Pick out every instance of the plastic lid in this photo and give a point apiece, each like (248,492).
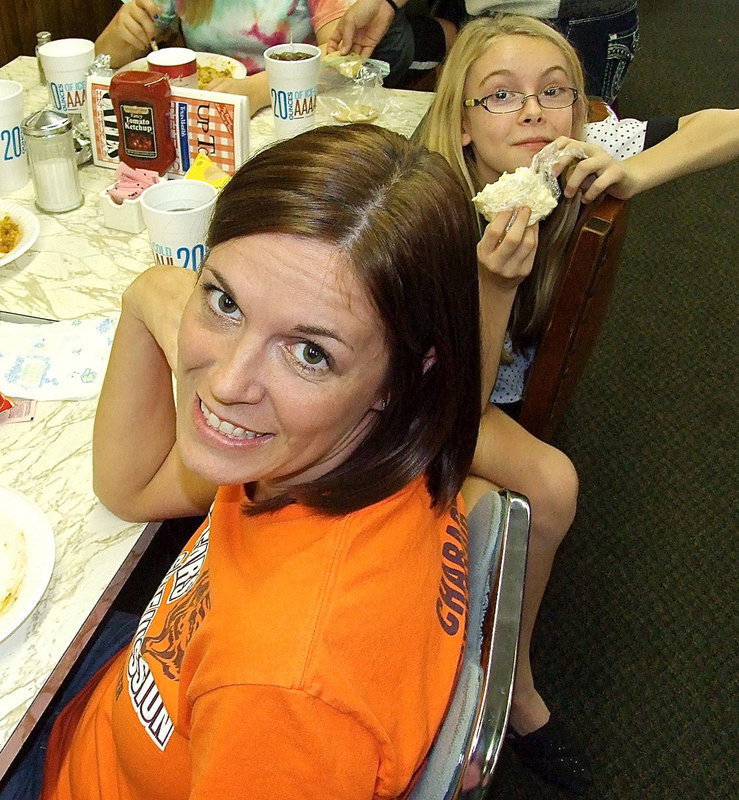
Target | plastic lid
(46,123)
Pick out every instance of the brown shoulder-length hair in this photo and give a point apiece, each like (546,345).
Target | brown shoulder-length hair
(441,131)
(403,222)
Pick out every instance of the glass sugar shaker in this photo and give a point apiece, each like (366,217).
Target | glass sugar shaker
(51,156)
(42,37)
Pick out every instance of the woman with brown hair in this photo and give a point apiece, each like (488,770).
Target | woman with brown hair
(306,641)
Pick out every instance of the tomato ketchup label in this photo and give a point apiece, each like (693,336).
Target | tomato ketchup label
(141,101)
(138,136)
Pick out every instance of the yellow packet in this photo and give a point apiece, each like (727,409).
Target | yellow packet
(203,169)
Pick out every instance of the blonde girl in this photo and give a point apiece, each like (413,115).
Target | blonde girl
(510,86)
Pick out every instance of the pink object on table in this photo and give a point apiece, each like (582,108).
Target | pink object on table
(131,182)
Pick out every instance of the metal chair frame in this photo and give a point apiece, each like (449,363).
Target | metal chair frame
(466,750)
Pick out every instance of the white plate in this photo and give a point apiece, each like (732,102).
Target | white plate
(18,511)
(29,225)
(238,70)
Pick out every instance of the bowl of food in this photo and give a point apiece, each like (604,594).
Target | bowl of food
(210,67)
(19,229)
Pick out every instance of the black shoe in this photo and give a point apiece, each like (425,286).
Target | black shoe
(550,752)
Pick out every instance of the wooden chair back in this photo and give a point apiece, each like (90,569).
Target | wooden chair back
(578,309)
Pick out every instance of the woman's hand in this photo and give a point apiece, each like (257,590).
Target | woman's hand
(508,247)
(594,175)
(360,29)
(156,299)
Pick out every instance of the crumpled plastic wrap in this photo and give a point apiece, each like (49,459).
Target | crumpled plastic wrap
(544,161)
(351,87)
(101,66)
(534,187)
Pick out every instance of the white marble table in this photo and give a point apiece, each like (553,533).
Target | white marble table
(78,268)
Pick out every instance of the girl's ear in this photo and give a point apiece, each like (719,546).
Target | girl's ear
(466,138)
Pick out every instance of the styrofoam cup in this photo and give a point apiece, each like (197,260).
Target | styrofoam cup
(177,63)
(13,158)
(292,88)
(177,214)
(65,63)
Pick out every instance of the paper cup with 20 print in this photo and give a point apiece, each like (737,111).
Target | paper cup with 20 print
(65,63)
(177,214)
(292,73)
(13,158)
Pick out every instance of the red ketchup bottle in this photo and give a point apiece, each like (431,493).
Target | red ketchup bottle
(141,101)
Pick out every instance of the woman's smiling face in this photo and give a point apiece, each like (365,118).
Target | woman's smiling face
(282,363)
(503,142)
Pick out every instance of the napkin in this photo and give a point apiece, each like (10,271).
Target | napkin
(57,361)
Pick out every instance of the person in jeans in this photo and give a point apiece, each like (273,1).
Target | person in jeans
(605,33)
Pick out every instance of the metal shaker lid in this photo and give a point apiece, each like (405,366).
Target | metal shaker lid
(46,122)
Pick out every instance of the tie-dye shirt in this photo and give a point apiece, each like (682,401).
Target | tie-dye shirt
(244,29)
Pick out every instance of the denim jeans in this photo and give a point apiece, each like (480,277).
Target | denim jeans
(606,45)
(24,778)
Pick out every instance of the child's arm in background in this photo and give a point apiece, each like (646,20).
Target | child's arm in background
(703,140)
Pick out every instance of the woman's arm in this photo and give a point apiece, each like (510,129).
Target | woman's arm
(705,139)
(137,472)
(128,35)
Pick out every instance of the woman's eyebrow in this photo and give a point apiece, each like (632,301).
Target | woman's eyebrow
(221,280)
(317,330)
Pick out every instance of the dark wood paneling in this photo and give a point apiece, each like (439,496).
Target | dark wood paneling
(21,19)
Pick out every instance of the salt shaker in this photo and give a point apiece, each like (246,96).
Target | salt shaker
(42,37)
(51,156)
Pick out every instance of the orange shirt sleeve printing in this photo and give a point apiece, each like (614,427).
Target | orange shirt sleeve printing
(287,655)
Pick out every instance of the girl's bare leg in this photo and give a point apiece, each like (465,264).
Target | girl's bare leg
(509,456)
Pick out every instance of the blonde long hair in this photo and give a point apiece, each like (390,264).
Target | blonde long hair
(195,12)
(441,130)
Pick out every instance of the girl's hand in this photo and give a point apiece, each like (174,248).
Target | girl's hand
(135,25)
(508,247)
(594,175)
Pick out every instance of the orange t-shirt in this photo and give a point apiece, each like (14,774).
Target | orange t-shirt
(286,655)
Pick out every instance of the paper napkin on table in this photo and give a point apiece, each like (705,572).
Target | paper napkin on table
(57,361)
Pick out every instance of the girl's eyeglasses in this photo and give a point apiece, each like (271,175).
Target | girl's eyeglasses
(505,101)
